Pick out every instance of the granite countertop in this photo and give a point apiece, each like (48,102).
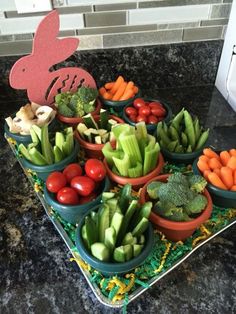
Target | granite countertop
(35,271)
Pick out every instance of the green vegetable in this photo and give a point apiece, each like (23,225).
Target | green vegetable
(179,178)
(110,238)
(197,183)
(100,251)
(153,189)
(202,139)
(136,171)
(178,119)
(189,128)
(196,205)
(174,193)
(36,157)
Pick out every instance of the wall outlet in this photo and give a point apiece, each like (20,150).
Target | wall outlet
(28,6)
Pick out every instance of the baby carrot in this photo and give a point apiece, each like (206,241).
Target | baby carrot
(224,157)
(216,181)
(235,177)
(206,173)
(117,84)
(226,175)
(130,85)
(210,153)
(232,163)
(120,91)
(204,158)
(128,94)
(233,188)
(135,89)
(102,91)
(109,85)
(217,171)
(232,152)
(214,163)
(107,95)
(202,165)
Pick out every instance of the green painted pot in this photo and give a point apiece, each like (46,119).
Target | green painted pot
(180,158)
(150,127)
(220,198)
(111,269)
(44,171)
(74,213)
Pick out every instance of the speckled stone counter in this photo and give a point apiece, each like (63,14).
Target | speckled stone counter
(36,275)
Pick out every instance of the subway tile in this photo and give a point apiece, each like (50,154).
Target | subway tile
(96,2)
(74,21)
(202,33)
(7,5)
(183,25)
(15,14)
(115,6)
(169,14)
(116,29)
(58,3)
(220,11)
(214,22)
(67,33)
(4,38)
(228,1)
(23,36)
(142,38)
(167,3)
(90,42)
(105,19)
(15,48)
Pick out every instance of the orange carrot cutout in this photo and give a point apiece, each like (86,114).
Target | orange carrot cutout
(232,163)
(210,153)
(216,181)
(226,175)
(214,163)
(117,84)
(120,91)
(109,85)
(202,166)
(224,157)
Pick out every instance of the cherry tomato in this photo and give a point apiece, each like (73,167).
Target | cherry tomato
(145,110)
(133,117)
(155,104)
(95,169)
(83,185)
(67,196)
(159,112)
(152,119)
(131,111)
(87,199)
(138,102)
(72,171)
(141,118)
(55,181)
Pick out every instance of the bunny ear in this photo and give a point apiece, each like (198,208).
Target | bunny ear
(46,44)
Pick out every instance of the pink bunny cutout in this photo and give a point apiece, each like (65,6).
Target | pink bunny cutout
(32,72)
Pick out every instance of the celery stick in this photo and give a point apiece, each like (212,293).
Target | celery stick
(122,165)
(24,151)
(142,143)
(59,140)
(114,170)
(136,171)
(141,130)
(150,159)
(57,154)
(119,128)
(151,142)
(46,146)
(37,158)
(68,145)
(34,136)
(130,146)
(109,152)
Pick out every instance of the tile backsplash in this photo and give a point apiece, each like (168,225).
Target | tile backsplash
(116,23)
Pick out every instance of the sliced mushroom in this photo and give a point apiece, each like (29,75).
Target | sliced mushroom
(25,113)
(45,115)
(34,107)
(12,126)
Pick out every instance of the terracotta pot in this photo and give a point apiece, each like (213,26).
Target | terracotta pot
(136,183)
(77,120)
(174,230)
(95,150)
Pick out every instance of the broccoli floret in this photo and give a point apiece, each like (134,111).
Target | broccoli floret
(76,105)
(87,94)
(178,178)
(196,205)
(89,107)
(197,183)
(153,189)
(65,111)
(174,193)
(170,211)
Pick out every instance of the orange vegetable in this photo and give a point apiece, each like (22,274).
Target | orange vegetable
(135,89)
(234,176)
(206,173)
(117,84)
(107,95)
(128,94)
(233,188)
(216,181)
(232,152)
(232,163)
(214,163)
(202,166)
(217,171)
(204,158)
(130,85)
(102,91)
(120,91)
(210,153)
(226,175)
(224,157)
(109,85)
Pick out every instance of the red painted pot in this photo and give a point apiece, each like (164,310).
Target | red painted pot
(76,120)
(95,150)
(174,230)
(136,183)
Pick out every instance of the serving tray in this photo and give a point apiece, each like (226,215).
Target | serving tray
(117,292)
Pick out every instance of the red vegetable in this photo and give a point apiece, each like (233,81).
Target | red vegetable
(72,171)
(153,119)
(159,112)
(95,169)
(131,111)
(144,110)
(138,102)
(155,104)
(133,117)
(83,185)
(55,181)
(67,196)
(87,199)
(141,118)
